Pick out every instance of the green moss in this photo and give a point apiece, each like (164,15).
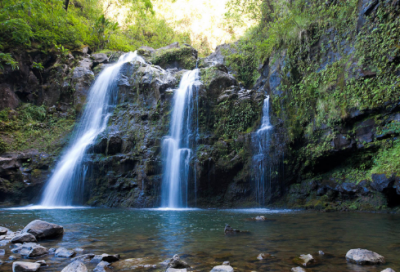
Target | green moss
(183,56)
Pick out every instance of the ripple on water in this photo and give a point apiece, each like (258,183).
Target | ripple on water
(150,236)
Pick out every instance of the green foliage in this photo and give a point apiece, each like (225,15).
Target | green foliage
(31,127)
(244,62)
(38,65)
(43,24)
(3,146)
(8,60)
(388,160)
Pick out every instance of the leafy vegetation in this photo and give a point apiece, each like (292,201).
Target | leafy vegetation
(43,24)
(32,126)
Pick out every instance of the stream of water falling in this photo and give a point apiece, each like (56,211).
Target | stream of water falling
(177,146)
(261,163)
(65,186)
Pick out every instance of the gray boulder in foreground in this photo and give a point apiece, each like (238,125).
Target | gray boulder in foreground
(25,267)
(42,229)
(364,256)
(75,266)
(388,270)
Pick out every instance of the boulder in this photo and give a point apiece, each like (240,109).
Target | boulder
(3,230)
(37,251)
(24,238)
(222,268)
(25,267)
(106,257)
(42,229)
(175,270)
(304,260)
(13,258)
(84,258)
(64,253)
(263,256)
(99,58)
(86,63)
(298,269)
(388,270)
(2,252)
(103,267)
(364,256)
(75,266)
(176,262)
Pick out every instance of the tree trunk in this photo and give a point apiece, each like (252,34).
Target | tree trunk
(66,3)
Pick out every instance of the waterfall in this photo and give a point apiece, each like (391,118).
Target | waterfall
(177,147)
(65,186)
(262,165)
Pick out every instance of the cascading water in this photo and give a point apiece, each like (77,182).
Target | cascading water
(66,183)
(262,165)
(177,147)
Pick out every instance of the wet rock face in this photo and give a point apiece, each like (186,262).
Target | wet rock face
(8,98)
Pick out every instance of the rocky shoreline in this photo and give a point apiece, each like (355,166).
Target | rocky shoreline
(25,254)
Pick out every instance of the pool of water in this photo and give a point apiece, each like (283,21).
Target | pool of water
(150,236)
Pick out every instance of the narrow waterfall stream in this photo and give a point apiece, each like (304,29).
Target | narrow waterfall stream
(262,167)
(65,186)
(177,146)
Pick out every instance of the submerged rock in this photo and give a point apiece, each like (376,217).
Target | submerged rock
(222,268)
(2,252)
(298,269)
(364,256)
(106,257)
(263,256)
(260,218)
(228,230)
(176,262)
(75,266)
(84,258)
(25,267)
(24,238)
(64,253)
(321,252)
(304,259)
(42,229)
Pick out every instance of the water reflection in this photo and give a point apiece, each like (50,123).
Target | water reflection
(152,236)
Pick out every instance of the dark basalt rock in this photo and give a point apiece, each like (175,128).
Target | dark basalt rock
(381,182)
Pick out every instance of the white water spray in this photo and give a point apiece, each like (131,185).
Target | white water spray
(177,146)
(66,183)
(261,162)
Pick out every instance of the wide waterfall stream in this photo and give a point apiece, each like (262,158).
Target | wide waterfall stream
(65,186)
(177,147)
